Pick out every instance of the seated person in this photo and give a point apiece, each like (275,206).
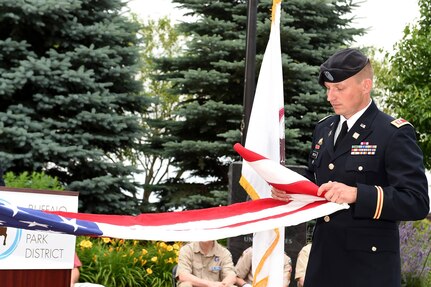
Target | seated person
(301,264)
(245,274)
(205,263)
(75,271)
(75,275)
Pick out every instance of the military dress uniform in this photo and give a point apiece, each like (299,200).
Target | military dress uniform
(380,156)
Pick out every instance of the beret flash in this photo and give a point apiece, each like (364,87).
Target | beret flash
(342,65)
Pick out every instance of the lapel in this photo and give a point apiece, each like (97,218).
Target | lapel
(328,135)
(359,132)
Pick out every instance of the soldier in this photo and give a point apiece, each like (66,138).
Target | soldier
(376,167)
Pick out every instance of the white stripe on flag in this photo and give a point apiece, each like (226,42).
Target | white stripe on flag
(223,222)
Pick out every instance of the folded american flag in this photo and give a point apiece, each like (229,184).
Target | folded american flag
(191,225)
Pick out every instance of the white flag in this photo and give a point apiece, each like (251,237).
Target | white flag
(265,135)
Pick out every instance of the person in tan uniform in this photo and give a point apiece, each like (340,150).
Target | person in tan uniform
(244,269)
(205,263)
(301,264)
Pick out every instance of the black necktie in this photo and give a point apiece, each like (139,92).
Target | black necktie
(342,134)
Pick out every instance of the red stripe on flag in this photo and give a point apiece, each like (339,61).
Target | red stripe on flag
(169,218)
(246,154)
(299,187)
(306,207)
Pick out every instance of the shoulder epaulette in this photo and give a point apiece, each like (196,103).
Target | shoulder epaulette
(321,120)
(400,122)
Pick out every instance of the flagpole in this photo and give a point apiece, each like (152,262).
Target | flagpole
(250,67)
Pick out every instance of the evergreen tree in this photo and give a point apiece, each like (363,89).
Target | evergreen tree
(211,74)
(69,96)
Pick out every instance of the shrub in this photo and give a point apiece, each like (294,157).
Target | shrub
(415,250)
(35,180)
(131,263)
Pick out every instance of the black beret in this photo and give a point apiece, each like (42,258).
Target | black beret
(341,66)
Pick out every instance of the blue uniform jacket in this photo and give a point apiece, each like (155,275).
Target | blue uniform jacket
(359,246)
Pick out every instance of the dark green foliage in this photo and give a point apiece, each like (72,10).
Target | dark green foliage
(407,78)
(68,96)
(210,73)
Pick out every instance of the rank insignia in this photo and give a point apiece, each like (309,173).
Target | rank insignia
(355,136)
(363,149)
(400,122)
(319,143)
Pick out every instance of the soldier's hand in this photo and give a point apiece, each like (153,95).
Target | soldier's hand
(338,192)
(279,194)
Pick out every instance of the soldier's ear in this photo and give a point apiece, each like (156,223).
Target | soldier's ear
(367,85)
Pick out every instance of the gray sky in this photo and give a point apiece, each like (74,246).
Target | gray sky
(385,19)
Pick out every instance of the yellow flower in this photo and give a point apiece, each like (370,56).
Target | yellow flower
(170,260)
(121,242)
(143,262)
(169,248)
(149,271)
(86,244)
(131,252)
(135,260)
(144,251)
(106,239)
(135,242)
(94,258)
(154,259)
(176,246)
(162,245)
